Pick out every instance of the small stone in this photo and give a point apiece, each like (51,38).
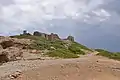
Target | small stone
(15,75)
(67,75)
(62,66)
(97,61)
(18,58)
(99,70)
(52,48)
(34,51)
(89,66)
(11,77)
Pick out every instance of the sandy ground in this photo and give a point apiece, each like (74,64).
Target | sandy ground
(84,68)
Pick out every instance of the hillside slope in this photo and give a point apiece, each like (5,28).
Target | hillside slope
(56,48)
(89,67)
(22,47)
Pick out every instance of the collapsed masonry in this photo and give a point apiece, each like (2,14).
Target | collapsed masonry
(71,38)
(51,36)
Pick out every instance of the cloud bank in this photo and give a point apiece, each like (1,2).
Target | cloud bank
(90,21)
(35,14)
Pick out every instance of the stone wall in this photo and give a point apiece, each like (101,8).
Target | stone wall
(71,38)
(36,33)
(52,36)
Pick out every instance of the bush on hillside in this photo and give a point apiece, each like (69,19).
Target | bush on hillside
(61,49)
(58,44)
(80,46)
(76,50)
(108,54)
(104,52)
(39,45)
(62,53)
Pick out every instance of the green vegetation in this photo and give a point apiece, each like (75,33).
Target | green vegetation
(80,46)
(76,49)
(108,54)
(57,48)
(27,37)
(62,53)
(104,53)
(46,44)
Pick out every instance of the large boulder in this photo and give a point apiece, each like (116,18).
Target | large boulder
(4,57)
(6,44)
(12,49)
(10,54)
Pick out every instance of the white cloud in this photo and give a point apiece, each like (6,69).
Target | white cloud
(24,14)
(101,12)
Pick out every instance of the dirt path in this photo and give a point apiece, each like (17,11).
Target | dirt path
(85,68)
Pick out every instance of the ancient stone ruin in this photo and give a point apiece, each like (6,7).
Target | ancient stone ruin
(71,38)
(25,33)
(51,36)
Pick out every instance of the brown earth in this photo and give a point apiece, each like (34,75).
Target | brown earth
(84,68)
(33,66)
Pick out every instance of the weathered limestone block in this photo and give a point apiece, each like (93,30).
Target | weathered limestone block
(71,38)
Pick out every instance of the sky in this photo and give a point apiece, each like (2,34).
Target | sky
(94,23)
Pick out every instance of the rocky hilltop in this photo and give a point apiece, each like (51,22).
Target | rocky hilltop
(39,55)
(51,36)
(33,46)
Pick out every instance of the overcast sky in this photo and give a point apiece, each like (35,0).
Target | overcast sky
(95,23)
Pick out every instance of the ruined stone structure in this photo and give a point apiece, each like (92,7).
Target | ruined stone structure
(36,33)
(53,37)
(71,38)
(25,33)
(47,36)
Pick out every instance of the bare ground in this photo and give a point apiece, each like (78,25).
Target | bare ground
(85,68)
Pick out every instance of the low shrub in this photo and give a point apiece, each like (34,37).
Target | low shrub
(108,54)
(76,50)
(59,48)
(80,46)
(62,53)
